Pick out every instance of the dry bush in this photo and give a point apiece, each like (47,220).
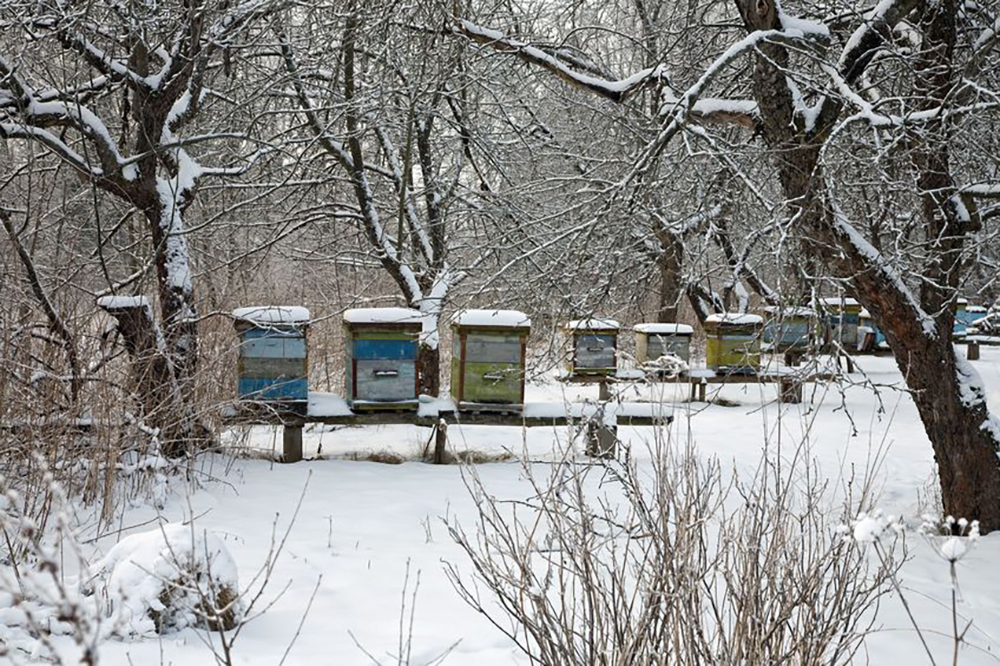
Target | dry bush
(672,561)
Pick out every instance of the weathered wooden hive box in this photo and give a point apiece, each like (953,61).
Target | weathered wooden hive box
(867,323)
(969,315)
(593,347)
(655,340)
(732,342)
(789,328)
(273,360)
(843,317)
(488,358)
(961,306)
(380,346)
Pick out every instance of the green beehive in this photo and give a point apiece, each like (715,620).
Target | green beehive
(732,342)
(488,358)
(593,347)
(380,346)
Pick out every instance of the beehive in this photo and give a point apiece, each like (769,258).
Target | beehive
(789,329)
(273,362)
(488,357)
(842,319)
(655,340)
(733,342)
(969,315)
(593,346)
(380,348)
(865,320)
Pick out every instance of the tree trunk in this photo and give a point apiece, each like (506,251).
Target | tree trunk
(671,264)
(951,403)
(157,390)
(176,295)
(429,369)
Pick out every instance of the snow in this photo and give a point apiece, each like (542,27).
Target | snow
(361,523)
(273,314)
(953,549)
(664,329)
(734,318)
(122,302)
(139,572)
(789,311)
(382,316)
(327,404)
(799,26)
(499,318)
(868,528)
(838,301)
(593,325)
(430,407)
(619,87)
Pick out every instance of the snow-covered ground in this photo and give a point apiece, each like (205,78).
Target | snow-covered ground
(361,524)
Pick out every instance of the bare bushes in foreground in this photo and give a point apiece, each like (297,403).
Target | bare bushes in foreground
(672,560)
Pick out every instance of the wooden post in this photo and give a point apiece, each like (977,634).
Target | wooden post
(790,390)
(292,441)
(972,352)
(601,437)
(703,391)
(440,442)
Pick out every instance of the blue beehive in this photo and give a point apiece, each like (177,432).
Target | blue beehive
(273,359)
(878,343)
(966,315)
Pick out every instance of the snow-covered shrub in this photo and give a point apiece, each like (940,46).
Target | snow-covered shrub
(677,562)
(168,579)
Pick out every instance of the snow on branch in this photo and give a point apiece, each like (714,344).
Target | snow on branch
(864,43)
(616,91)
(403,191)
(52,142)
(982,190)
(859,247)
(741,112)
(30,117)
(675,115)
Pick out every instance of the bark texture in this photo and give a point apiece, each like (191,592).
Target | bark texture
(953,410)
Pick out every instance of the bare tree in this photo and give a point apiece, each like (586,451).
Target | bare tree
(801,96)
(158,61)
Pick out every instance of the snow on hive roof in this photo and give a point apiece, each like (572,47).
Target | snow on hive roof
(789,311)
(122,302)
(734,318)
(664,329)
(865,314)
(273,314)
(382,316)
(593,325)
(837,300)
(976,308)
(499,318)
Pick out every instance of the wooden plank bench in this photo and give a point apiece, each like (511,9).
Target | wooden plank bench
(790,381)
(327,409)
(975,341)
